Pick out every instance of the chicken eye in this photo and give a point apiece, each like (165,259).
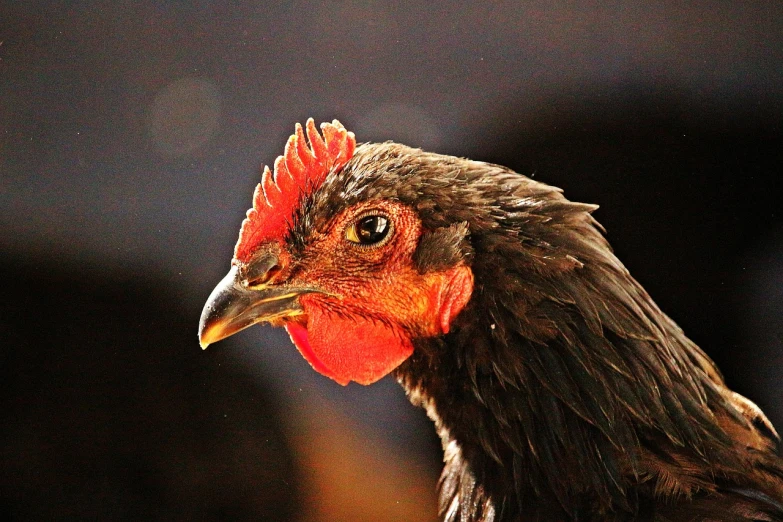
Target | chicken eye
(368,230)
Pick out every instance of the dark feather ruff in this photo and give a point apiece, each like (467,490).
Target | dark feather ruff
(562,391)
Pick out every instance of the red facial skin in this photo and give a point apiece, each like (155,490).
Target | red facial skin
(375,300)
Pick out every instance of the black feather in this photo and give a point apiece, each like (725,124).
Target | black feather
(562,391)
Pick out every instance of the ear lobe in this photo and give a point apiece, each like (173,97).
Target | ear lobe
(454,294)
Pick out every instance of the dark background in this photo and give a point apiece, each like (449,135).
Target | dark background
(131,136)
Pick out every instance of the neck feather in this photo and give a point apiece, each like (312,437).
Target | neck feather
(555,384)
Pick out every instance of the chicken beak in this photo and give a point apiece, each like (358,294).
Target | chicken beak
(233,306)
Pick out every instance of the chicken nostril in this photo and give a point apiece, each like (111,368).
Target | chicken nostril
(262,270)
(269,276)
(265,277)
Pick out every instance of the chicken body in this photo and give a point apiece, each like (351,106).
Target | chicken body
(559,389)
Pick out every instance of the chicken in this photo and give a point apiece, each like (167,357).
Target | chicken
(559,389)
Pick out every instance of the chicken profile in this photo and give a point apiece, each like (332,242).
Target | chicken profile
(559,389)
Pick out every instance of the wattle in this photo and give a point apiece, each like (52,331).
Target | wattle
(349,348)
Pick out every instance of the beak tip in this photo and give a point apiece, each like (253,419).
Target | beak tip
(209,334)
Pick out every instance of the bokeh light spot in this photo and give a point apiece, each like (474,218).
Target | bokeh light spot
(184,116)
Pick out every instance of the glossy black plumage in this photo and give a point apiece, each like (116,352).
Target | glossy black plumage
(562,391)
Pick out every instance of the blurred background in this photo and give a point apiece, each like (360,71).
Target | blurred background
(131,137)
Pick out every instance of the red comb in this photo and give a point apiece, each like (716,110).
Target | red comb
(299,171)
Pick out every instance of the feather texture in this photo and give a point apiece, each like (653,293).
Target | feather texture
(562,392)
